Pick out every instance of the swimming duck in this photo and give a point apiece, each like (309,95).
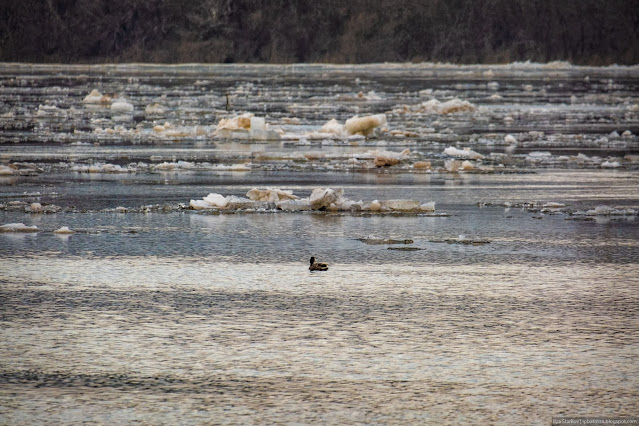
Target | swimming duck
(317,266)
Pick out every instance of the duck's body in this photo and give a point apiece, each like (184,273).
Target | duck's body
(317,266)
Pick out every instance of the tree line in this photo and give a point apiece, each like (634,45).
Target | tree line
(594,32)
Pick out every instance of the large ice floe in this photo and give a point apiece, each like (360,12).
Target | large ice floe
(18,227)
(320,199)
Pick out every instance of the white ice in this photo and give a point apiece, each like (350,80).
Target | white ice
(18,227)
(64,230)
(121,105)
(463,153)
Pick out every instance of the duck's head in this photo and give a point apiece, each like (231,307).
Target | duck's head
(312,260)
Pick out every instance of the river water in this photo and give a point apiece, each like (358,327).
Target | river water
(514,303)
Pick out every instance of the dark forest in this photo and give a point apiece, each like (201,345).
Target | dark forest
(593,32)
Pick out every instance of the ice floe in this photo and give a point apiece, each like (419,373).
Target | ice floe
(6,171)
(246,126)
(270,195)
(18,227)
(121,105)
(604,210)
(463,153)
(354,128)
(64,230)
(434,106)
(320,199)
(364,125)
(382,158)
(95,97)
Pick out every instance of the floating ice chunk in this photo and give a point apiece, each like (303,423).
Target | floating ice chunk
(155,109)
(604,210)
(554,205)
(510,149)
(100,168)
(510,139)
(614,134)
(360,96)
(50,110)
(236,200)
(401,205)
(433,106)
(456,105)
(18,227)
(452,165)
(583,157)
(95,97)
(364,125)
(335,128)
(428,207)
(369,96)
(465,153)
(626,134)
(199,205)
(216,200)
(467,165)
(34,208)
(240,122)
(422,165)
(294,205)
(323,197)
(493,85)
(314,155)
(402,133)
(263,135)
(539,154)
(610,164)
(121,105)
(240,167)
(271,195)
(388,158)
(257,123)
(632,158)
(246,126)
(375,206)
(6,171)
(344,203)
(64,230)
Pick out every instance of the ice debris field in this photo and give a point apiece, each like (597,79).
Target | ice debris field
(423,119)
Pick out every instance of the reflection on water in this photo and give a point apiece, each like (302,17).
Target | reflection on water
(129,337)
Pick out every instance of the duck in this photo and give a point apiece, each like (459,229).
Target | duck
(317,266)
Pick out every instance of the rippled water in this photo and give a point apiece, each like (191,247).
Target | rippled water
(189,317)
